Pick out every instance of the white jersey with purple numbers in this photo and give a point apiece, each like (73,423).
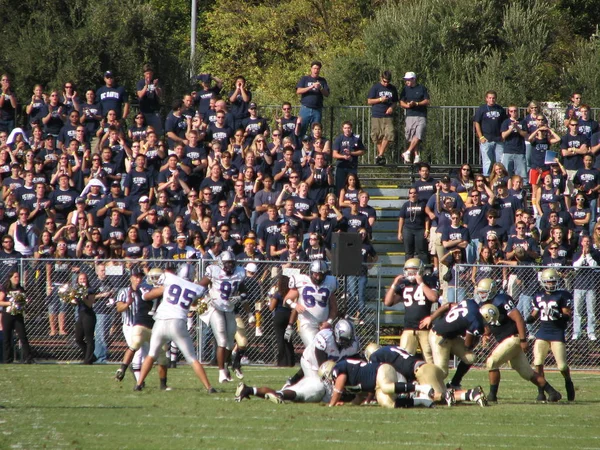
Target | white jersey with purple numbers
(325,341)
(315,298)
(223,287)
(177,297)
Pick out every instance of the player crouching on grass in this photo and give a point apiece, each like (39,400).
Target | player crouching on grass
(170,324)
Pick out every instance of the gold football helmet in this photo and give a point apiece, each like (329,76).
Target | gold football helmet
(549,280)
(485,291)
(154,275)
(370,349)
(326,370)
(412,268)
(490,314)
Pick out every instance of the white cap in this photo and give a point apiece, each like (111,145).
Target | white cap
(409,75)
(251,267)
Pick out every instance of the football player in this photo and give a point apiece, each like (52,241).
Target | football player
(138,334)
(553,307)
(170,324)
(357,376)
(312,297)
(418,293)
(226,281)
(328,344)
(507,325)
(455,328)
(413,369)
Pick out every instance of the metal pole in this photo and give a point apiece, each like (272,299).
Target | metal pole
(193,38)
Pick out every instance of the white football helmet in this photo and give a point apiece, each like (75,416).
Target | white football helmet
(318,269)
(227,262)
(343,333)
(412,268)
(485,291)
(154,276)
(370,349)
(490,314)
(549,280)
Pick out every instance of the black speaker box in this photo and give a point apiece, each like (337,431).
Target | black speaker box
(346,254)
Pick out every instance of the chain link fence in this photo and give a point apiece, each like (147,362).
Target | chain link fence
(50,322)
(522,282)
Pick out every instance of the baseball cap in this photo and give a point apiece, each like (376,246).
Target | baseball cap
(115,184)
(48,136)
(108,74)
(181,236)
(409,75)
(251,267)
(354,200)
(249,241)
(445,179)
(79,200)
(143,199)
(252,105)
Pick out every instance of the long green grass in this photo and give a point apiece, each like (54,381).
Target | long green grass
(74,406)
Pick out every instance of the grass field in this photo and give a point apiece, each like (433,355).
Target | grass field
(74,406)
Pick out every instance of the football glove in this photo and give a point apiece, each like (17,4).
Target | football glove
(555,314)
(289,333)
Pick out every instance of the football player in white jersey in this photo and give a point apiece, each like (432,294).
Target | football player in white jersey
(329,344)
(170,324)
(226,281)
(313,298)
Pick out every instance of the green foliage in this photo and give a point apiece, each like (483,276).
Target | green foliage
(273,42)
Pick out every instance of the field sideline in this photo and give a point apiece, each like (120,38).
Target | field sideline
(82,407)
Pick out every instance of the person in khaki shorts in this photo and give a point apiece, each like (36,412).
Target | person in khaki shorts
(383,99)
(507,325)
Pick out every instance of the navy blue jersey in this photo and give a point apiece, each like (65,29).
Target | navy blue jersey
(548,305)
(505,326)
(490,118)
(416,305)
(111,98)
(144,310)
(398,358)
(462,318)
(362,376)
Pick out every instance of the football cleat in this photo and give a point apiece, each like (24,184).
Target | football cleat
(453,387)
(554,396)
(119,375)
(238,373)
(274,398)
(449,397)
(424,390)
(242,392)
(223,378)
(479,397)
(425,402)
(211,390)
(166,388)
(138,387)
(570,390)
(492,398)
(541,398)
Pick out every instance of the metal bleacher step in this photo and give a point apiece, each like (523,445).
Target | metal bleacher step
(388,211)
(386,224)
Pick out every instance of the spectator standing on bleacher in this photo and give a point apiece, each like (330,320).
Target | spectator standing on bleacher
(347,147)
(382,98)
(488,120)
(112,97)
(149,94)
(426,186)
(513,135)
(573,147)
(312,89)
(414,98)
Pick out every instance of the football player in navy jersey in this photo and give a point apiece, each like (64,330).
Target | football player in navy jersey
(451,322)
(355,376)
(417,372)
(418,292)
(553,307)
(507,325)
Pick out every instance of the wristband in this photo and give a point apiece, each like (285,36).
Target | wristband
(290,303)
(338,391)
(393,287)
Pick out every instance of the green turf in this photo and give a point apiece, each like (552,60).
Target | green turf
(73,406)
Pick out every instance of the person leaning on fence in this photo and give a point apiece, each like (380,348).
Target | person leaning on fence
(13,303)
(382,98)
(585,285)
(488,120)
